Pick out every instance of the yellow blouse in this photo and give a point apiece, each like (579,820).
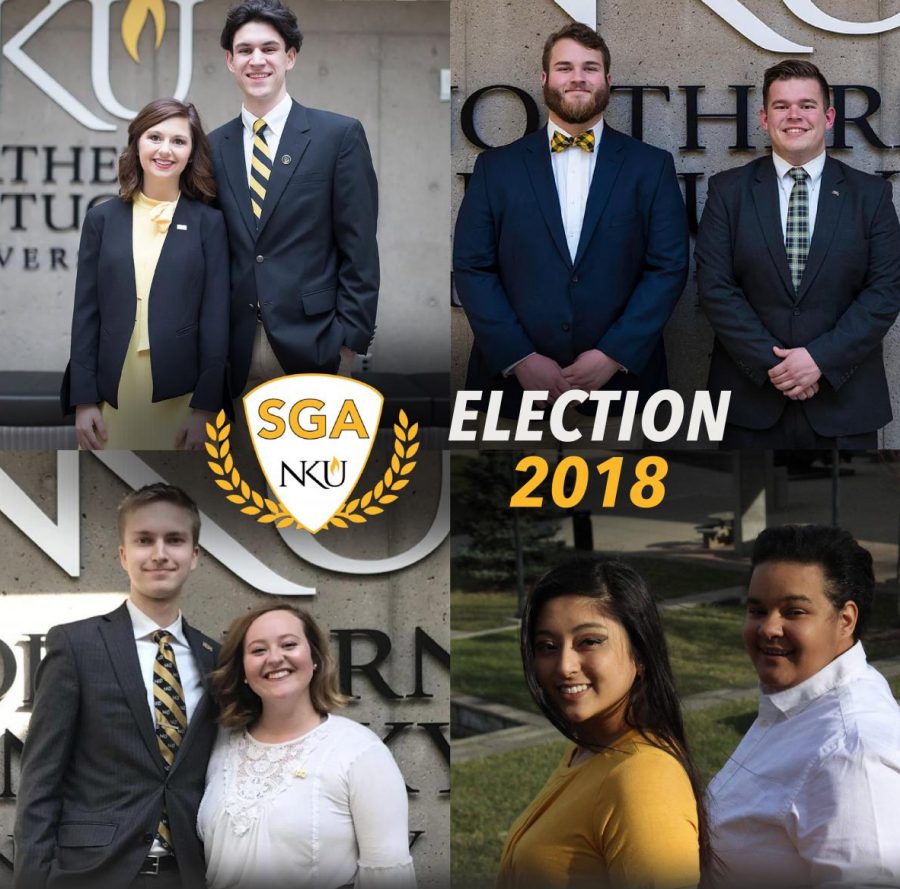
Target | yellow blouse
(626,817)
(140,423)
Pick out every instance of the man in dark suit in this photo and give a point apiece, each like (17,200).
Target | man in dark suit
(798,270)
(115,758)
(300,199)
(571,244)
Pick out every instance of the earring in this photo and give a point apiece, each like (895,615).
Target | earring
(246,682)
(315,667)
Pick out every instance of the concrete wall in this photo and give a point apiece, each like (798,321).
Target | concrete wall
(378,60)
(674,44)
(35,593)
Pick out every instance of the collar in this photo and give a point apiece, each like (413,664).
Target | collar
(275,119)
(144,627)
(597,128)
(841,671)
(813,168)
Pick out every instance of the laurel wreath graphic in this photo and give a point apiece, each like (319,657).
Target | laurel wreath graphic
(354,511)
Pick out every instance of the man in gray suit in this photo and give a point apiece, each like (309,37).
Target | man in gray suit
(115,757)
(300,199)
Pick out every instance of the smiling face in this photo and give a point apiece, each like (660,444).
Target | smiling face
(164,151)
(259,62)
(796,117)
(584,665)
(278,661)
(576,85)
(792,630)
(158,552)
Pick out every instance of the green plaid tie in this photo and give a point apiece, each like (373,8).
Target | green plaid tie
(171,714)
(260,168)
(796,238)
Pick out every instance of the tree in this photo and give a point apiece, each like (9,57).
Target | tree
(482,516)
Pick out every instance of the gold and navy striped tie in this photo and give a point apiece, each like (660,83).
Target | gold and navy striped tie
(171,715)
(260,168)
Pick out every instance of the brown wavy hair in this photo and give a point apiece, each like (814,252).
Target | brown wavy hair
(239,705)
(197,181)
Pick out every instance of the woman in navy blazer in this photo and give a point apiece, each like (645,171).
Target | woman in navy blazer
(148,364)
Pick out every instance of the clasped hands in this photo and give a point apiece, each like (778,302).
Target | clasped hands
(590,370)
(90,430)
(797,375)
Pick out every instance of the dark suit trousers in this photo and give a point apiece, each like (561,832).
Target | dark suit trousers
(793,432)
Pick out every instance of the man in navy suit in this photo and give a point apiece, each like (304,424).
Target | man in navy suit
(798,270)
(571,244)
(304,259)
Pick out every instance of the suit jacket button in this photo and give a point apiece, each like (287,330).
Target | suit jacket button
(148,837)
(567,327)
(260,258)
(796,311)
(574,279)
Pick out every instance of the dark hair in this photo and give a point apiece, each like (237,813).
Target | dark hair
(580,33)
(794,69)
(272,12)
(849,576)
(197,181)
(158,493)
(238,704)
(653,708)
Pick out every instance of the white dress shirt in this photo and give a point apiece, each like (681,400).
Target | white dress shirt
(327,809)
(188,672)
(573,170)
(275,122)
(814,169)
(811,796)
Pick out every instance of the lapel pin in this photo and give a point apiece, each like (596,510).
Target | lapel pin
(836,193)
(285,159)
(181,228)
(206,645)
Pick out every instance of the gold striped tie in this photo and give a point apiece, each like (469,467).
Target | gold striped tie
(171,715)
(260,168)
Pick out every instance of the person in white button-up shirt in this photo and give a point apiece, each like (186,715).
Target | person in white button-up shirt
(811,795)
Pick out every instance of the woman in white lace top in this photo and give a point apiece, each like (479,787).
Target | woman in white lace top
(296,796)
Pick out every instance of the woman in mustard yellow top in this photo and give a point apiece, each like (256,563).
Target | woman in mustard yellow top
(150,325)
(623,808)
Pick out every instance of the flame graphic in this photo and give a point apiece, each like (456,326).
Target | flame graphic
(134,19)
(334,465)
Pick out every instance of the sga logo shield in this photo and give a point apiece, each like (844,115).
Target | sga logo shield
(313,434)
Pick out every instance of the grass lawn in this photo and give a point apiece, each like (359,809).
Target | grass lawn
(706,650)
(481,611)
(489,794)
(490,667)
(665,578)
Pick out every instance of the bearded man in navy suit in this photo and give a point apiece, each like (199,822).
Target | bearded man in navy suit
(571,244)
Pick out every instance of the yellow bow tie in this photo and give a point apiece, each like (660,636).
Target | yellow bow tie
(584,141)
